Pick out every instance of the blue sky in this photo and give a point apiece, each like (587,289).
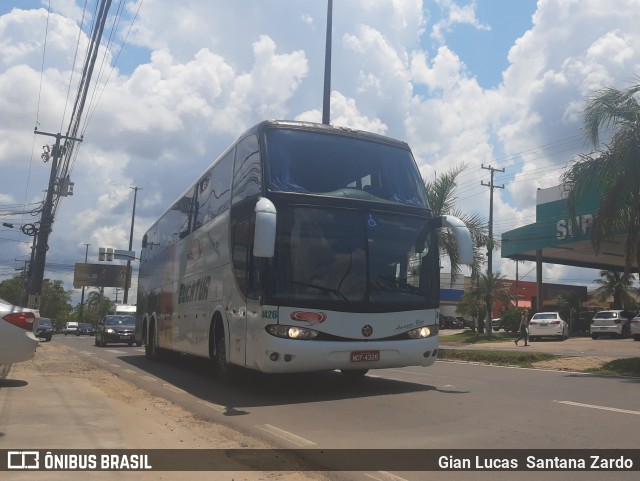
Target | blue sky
(479,82)
(484,52)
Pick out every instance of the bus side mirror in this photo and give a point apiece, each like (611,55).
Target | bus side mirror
(144,241)
(264,238)
(462,235)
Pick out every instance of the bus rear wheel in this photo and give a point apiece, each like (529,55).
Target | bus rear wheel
(223,370)
(151,349)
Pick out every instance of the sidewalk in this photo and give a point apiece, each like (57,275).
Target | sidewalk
(574,346)
(59,400)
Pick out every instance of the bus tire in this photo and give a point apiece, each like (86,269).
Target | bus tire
(151,349)
(223,370)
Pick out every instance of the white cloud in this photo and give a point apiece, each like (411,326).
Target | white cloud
(453,15)
(206,70)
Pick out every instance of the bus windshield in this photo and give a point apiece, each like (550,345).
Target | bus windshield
(352,260)
(334,165)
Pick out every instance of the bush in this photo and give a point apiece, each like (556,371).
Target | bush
(510,320)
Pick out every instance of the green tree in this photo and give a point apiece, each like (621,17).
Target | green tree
(54,300)
(442,201)
(11,289)
(613,173)
(96,306)
(471,304)
(618,285)
(569,307)
(487,289)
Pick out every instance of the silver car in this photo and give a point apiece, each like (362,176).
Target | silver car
(548,324)
(634,328)
(616,322)
(17,341)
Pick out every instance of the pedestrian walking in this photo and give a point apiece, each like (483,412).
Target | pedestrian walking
(524,328)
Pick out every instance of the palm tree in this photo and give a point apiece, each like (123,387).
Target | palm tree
(569,307)
(488,289)
(442,200)
(613,174)
(618,285)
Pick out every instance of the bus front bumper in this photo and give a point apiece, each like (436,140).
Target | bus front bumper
(279,355)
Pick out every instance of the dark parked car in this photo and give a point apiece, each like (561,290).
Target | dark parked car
(466,323)
(115,329)
(450,322)
(84,328)
(44,328)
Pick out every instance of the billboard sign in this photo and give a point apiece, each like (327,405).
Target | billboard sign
(99,275)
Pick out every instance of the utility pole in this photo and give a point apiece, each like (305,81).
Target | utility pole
(326,102)
(127,279)
(492,186)
(46,221)
(86,255)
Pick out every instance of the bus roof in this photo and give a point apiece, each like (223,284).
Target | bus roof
(329,129)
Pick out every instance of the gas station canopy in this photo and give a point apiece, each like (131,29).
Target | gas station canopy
(552,239)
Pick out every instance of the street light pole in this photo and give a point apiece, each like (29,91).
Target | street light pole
(326,102)
(86,256)
(127,280)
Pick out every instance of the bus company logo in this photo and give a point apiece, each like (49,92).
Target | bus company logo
(23,460)
(197,290)
(367,330)
(311,317)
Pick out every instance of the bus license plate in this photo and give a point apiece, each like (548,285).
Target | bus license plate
(365,356)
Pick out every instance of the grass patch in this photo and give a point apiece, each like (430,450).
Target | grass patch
(618,367)
(501,358)
(470,337)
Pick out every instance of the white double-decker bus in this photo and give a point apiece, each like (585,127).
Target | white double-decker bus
(304,247)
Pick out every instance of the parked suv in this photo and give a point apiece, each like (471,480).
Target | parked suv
(44,328)
(635,328)
(615,322)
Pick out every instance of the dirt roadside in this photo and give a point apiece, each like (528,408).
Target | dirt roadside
(59,400)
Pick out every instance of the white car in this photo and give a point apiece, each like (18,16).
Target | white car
(548,324)
(17,341)
(634,328)
(615,322)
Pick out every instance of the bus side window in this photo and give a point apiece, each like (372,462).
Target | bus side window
(247,171)
(245,266)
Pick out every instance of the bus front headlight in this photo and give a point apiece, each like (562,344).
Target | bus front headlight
(291,332)
(423,332)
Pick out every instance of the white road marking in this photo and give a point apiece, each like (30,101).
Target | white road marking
(113,364)
(286,435)
(216,407)
(173,388)
(150,378)
(384,476)
(130,371)
(87,353)
(603,408)
(115,351)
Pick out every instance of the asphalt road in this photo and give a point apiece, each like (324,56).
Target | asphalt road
(446,406)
